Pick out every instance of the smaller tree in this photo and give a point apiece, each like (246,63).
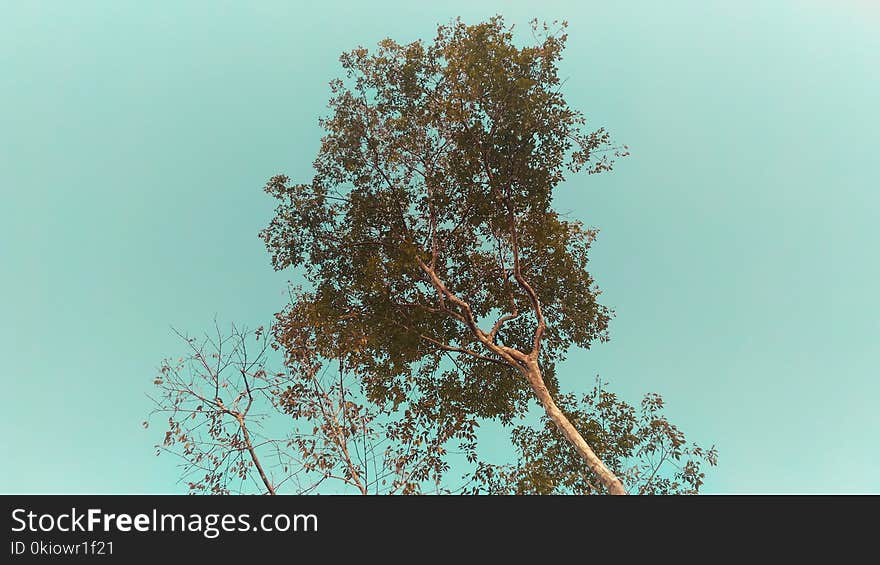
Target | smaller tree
(216,398)
(240,426)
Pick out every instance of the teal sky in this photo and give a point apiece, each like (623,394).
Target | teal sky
(738,243)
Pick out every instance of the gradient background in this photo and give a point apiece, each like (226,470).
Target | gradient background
(738,243)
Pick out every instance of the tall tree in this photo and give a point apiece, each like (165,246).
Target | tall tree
(437,266)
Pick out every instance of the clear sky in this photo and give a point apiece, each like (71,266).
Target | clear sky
(738,243)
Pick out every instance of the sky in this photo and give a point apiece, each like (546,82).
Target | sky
(737,243)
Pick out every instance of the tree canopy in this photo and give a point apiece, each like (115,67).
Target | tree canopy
(428,232)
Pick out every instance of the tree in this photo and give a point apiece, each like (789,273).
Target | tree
(428,236)
(442,289)
(239,423)
(214,398)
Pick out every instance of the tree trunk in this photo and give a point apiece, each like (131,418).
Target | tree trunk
(605,475)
